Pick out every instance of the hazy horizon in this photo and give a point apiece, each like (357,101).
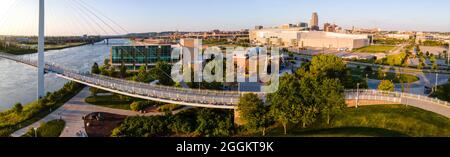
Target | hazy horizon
(69,17)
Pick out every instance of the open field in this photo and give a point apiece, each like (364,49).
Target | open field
(375,121)
(375,49)
(404,78)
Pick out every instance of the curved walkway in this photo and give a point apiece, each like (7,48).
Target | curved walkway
(419,101)
(72,113)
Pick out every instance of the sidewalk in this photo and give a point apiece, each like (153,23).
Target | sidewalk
(72,113)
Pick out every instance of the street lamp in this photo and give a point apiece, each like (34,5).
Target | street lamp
(436,85)
(357,95)
(35,131)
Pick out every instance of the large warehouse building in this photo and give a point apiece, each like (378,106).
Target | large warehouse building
(296,37)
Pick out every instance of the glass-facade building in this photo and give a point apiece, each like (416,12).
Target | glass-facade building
(136,56)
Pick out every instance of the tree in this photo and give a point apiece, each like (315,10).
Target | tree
(18,108)
(286,102)
(332,98)
(123,71)
(142,75)
(421,62)
(95,69)
(368,70)
(106,62)
(433,62)
(386,85)
(328,65)
(213,123)
(381,73)
(162,72)
(112,71)
(254,112)
(138,106)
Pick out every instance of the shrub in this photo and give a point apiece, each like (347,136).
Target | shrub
(169,107)
(138,106)
(386,85)
(18,108)
(50,129)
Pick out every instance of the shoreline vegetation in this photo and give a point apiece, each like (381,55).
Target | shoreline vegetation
(17,50)
(21,116)
(52,128)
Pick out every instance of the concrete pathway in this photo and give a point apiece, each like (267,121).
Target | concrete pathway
(72,113)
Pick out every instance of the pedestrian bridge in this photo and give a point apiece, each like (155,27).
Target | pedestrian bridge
(221,99)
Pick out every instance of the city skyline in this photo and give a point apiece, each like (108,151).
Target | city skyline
(63,17)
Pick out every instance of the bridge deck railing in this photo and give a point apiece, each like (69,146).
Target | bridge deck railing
(368,92)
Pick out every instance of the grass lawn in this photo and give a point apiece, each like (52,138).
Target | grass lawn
(52,128)
(110,101)
(375,121)
(405,78)
(375,49)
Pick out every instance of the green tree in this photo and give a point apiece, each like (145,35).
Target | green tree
(368,70)
(123,71)
(386,85)
(95,69)
(142,75)
(421,64)
(138,106)
(162,72)
(112,71)
(286,102)
(254,112)
(106,63)
(18,108)
(214,123)
(332,98)
(381,73)
(433,62)
(328,65)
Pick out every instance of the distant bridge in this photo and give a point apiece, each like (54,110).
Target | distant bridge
(223,99)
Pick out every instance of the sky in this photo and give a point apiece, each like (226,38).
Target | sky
(69,17)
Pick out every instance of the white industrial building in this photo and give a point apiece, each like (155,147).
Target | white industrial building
(296,37)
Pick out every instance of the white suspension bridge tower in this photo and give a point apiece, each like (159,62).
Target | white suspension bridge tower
(41,48)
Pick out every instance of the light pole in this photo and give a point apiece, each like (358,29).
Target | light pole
(357,95)
(35,131)
(436,84)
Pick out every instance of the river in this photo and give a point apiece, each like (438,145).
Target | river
(18,82)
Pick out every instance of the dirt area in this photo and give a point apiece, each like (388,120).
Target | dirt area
(101,124)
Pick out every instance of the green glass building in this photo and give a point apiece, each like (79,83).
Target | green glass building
(133,57)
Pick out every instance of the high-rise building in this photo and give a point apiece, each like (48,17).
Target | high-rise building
(314,23)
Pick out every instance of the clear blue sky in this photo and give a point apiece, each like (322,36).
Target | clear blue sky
(199,15)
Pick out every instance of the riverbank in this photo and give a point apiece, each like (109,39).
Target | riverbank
(14,119)
(21,51)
